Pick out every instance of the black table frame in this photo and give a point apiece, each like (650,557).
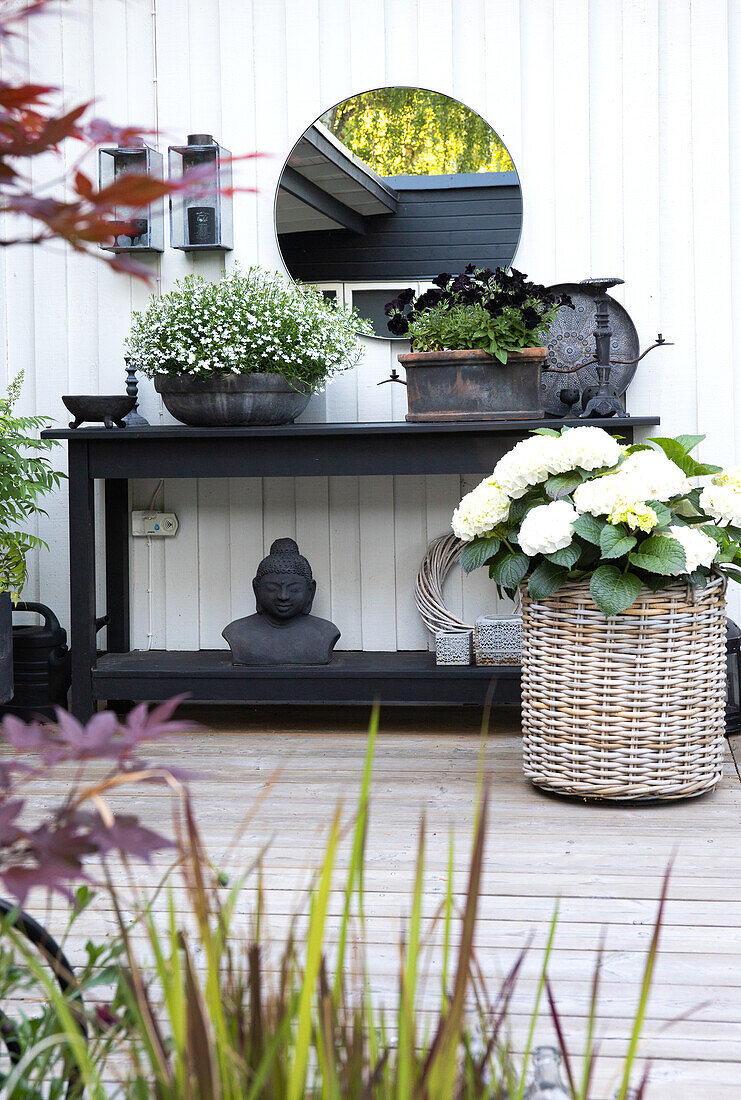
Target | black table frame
(115,456)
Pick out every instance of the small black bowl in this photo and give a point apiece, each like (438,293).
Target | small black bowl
(108,409)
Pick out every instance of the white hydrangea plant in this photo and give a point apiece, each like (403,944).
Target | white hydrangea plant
(249,322)
(576,505)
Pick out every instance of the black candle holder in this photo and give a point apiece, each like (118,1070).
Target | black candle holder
(134,419)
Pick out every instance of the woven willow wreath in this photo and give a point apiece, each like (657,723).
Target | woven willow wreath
(442,554)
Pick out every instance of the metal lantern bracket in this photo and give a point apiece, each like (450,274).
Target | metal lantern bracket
(201,217)
(142,230)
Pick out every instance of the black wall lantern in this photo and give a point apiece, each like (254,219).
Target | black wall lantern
(733,677)
(146,226)
(201,219)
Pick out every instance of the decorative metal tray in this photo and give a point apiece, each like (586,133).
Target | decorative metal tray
(571,341)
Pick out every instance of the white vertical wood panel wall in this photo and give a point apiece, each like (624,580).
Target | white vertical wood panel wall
(624,122)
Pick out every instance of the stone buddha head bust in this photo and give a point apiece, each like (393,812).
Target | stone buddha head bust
(282,631)
(284,586)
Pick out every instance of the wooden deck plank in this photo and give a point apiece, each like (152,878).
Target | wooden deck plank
(606,863)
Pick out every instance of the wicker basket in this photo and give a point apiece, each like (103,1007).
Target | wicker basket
(630,707)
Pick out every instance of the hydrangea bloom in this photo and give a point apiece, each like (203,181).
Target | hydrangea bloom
(603,496)
(530,462)
(589,449)
(660,478)
(635,515)
(699,548)
(731,478)
(722,502)
(548,528)
(480,511)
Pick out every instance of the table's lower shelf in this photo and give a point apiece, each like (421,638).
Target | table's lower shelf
(351,677)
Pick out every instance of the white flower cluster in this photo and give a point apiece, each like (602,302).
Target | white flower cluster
(548,528)
(642,476)
(480,511)
(533,460)
(721,499)
(588,449)
(699,548)
(253,321)
(603,495)
(658,477)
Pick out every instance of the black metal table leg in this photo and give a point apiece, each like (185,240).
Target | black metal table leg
(117,573)
(117,563)
(82,579)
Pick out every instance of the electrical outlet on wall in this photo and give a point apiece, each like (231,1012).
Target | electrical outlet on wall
(155,524)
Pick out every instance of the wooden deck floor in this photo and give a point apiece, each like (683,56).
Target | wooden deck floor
(605,862)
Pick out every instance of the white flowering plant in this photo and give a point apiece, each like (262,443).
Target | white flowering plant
(249,322)
(575,505)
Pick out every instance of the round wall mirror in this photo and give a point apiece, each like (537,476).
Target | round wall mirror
(388,189)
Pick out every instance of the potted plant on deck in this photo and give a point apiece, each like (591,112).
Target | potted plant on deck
(621,557)
(476,345)
(25,475)
(249,349)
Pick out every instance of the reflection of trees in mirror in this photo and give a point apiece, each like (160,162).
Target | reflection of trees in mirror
(412,131)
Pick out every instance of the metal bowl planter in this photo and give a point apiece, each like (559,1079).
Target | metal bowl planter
(233,400)
(628,708)
(473,385)
(108,409)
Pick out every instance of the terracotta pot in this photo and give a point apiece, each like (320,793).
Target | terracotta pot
(473,385)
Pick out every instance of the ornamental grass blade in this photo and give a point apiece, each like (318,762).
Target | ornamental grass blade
(590,1050)
(536,1008)
(447,922)
(314,943)
(357,856)
(439,1071)
(202,1058)
(406,1048)
(555,1016)
(645,988)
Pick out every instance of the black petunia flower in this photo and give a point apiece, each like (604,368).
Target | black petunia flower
(398,325)
(441,280)
(429,299)
(530,317)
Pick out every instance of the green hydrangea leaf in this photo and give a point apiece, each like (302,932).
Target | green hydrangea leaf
(546,431)
(717,533)
(659,554)
(663,514)
(546,579)
(689,442)
(657,584)
(616,541)
(477,553)
(614,591)
(567,557)
(589,527)
(675,450)
(560,485)
(510,568)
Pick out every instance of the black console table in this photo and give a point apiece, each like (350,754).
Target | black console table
(295,450)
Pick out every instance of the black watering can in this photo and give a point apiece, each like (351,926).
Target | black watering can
(41,665)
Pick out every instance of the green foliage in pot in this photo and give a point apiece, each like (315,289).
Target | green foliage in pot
(25,476)
(494,311)
(249,322)
(574,505)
